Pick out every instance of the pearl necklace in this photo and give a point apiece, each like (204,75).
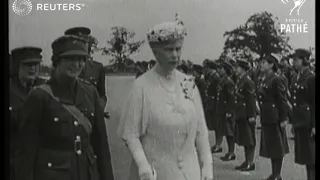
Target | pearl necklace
(169,77)
(175,100)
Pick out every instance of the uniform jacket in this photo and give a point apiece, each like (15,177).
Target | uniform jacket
(225,96)
(245,101)
(94,73)
(202,87)
(18,96)
(272,99)
(212,92)
(56,144)
(302,92)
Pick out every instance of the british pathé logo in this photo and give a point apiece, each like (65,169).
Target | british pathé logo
(294,25)
(22,7)
(297,5)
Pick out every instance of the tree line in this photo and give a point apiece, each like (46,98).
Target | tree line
(257,37)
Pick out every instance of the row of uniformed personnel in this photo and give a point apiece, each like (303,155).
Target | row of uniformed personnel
(57,127)
(279,94)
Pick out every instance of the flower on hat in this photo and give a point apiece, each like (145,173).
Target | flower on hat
(167,31)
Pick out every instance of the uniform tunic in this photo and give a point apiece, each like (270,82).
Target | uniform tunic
(303,116)
(175,142)
(18,96)
(245,107)
(59,145)
(94,73)
(211,104)
(201,84)
(225,104)
(273,108)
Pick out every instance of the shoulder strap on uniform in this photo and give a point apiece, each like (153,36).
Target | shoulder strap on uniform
(73,110)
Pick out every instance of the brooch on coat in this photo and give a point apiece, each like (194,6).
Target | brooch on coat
(188,86)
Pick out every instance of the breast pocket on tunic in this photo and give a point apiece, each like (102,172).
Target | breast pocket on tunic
(269,112)
(301,114)
(89,113)
(57,122)
(53,165)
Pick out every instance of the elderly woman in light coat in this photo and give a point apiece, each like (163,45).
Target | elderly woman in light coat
(163,123)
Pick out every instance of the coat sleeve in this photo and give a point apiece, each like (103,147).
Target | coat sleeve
(250,99)
(133,123)
(202,137)
(312,99)
(31,115)
(101,82)
(100,144)
(279,90)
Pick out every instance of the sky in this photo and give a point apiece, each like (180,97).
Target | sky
(205,20)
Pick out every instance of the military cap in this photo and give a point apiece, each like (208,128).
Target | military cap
(273,58)
(301,53)
(68,45)
(226,65)
(27,54)
(212,64)
(184,68)
(153,62)
(204,63)
(197,68)
(243,64)
(166,33)
(78,31)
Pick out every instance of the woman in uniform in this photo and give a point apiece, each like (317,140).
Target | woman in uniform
(211,105)
(25,64)
(273,116)
(63,128)
(163,123)
(224,115)
(245,115)
(303,112)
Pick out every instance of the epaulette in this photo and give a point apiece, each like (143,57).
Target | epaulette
(84,81)
(96,62)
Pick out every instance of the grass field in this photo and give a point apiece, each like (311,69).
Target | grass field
(117,89)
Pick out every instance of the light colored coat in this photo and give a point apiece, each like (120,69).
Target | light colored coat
(175,144)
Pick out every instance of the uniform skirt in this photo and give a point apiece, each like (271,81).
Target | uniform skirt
(274,143)
(224,126)
(244,133)
(210,114)
(304,146)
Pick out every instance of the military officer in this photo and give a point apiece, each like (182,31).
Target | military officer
(303,112)
(273,106)
(245,115)
(94,71)
(224,115)
(63,128)
(26,61)
(197,72)
(214,80)
(282,70)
